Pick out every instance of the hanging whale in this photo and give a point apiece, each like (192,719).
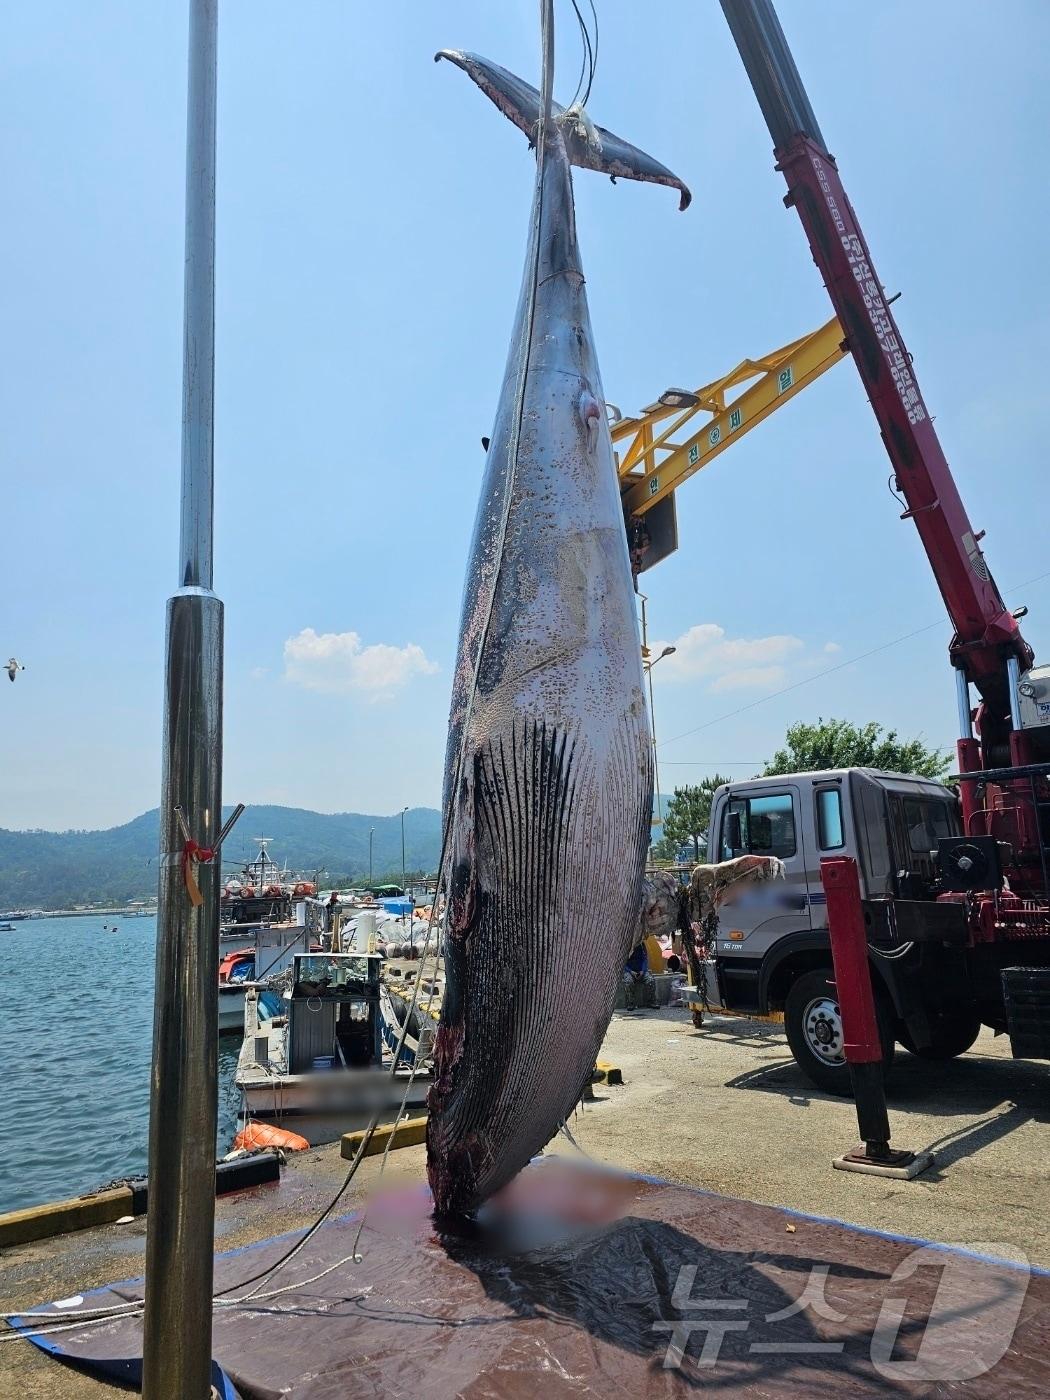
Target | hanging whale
(548,780)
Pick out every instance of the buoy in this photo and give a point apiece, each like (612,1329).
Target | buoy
(266,1135)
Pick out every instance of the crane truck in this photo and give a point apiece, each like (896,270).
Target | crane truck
(954,879)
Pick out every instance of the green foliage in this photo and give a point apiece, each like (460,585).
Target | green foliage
(63,869)
(664,852)
(686,817)
(835,743)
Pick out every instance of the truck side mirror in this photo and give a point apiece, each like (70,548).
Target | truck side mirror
(733,837)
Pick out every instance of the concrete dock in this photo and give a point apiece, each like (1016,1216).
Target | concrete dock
(723,1108)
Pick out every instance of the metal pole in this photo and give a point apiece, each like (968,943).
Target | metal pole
(198,336)
(656,765)
(403,849)
(1013,683)
(183,1101)
(647,667)
(370,835)
(962,696)
(967,749)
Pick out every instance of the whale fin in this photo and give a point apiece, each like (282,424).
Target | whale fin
(588,146)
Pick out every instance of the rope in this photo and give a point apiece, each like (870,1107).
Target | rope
(589,62)
(192,854)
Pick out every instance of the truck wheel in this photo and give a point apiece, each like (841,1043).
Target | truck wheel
(814,1031)
(952,1033)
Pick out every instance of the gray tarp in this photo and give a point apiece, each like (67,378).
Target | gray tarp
(594,1283)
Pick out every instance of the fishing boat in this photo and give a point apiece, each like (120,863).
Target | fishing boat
(7,928)
(320,1067)
(260,894)
(255,967)
(410,1025)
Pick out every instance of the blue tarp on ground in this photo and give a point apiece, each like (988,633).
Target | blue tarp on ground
(591,1282)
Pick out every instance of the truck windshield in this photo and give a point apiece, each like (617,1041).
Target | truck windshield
(767,826)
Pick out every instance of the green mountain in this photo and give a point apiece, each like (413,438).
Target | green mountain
(62,869)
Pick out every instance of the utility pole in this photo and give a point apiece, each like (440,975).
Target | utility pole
(184,1086)
(403,883)
(370,835)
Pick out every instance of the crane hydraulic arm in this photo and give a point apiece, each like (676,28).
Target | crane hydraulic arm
(987,648)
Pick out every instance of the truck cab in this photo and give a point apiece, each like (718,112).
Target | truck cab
(772,952)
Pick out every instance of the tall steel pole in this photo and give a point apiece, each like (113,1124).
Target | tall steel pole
(403,883)
(183,1102)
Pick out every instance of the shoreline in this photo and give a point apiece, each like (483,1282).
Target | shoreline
(120,910)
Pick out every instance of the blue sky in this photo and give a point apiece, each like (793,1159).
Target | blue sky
(371,212)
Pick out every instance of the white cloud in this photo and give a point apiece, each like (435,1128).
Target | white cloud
(751,678)
(337,663)
(831,648)
(704,652)
(259,673)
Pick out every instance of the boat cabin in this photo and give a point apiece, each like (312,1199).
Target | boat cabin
(333,1017)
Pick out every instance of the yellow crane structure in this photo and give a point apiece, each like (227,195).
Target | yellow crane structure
(664,445)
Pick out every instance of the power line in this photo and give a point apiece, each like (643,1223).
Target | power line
(713,762)
(819,675)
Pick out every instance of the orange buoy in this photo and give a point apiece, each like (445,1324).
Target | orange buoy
(266,1135)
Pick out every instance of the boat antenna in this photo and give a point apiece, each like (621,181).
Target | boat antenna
(184,1090)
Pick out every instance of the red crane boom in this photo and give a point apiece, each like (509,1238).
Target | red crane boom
(985,630)
(987,649)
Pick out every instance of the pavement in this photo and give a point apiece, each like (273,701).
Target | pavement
(726,1108)
(722,1108)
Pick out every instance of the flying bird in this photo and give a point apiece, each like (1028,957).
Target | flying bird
(13,667)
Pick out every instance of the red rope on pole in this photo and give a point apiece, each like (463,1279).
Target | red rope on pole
(192,852)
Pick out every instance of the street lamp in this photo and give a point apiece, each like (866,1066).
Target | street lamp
(370,835)
(403,886)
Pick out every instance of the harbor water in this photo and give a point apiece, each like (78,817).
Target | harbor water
(76,1026)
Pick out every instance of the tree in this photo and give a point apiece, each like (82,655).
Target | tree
(688,815)
(835,743)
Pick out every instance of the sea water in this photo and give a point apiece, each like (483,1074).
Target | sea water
(76,1029)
